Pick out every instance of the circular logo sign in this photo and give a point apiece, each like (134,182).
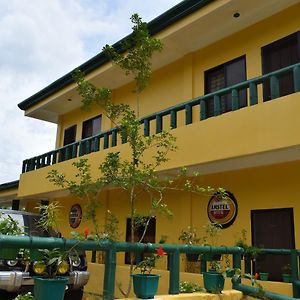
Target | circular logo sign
(75,215)
(222,211)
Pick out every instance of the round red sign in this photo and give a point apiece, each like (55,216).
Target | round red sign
(222,211)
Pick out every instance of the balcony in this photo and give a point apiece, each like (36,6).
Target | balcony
(190,112)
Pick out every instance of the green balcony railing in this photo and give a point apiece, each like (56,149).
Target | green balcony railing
(173,251)
(109,138)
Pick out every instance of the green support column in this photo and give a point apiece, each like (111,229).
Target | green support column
(202,265)
(173,120)
(235,99)
(174,272)
(217,105)
(114,138)
(253,93)
(159,125)
(109,274)
(296,73)
(146,127)
(202,110)
(247,262)
(295,273)
(188,114)
(105,143)
(274,83)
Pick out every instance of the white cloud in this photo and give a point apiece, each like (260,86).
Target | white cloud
(39,42)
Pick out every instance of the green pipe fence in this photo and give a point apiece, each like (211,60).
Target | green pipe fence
(109,138)
(112,248)
(173,251)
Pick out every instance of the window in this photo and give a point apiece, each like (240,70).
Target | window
(91,127)
(70,135)
(223,76)
(148,238)
(277,55)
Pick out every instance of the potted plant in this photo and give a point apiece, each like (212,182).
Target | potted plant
(286,273)
(214,279)
(145,284)
(212,233)
(51,284)
(189,237)
(264,276)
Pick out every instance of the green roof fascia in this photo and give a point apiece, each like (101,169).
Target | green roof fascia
(161,22)
(9,185)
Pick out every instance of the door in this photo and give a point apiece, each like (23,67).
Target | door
(273,228)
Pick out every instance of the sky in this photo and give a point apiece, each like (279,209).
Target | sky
(42,40)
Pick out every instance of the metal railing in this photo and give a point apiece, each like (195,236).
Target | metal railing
(111,137)
(173,251)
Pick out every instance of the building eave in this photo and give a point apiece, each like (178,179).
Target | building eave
(158,24)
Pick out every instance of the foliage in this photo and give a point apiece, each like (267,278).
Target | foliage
(27,296)
(110,230)
(238,276)
(189,236)
(53,259)
(190,287)
(134,174)
(286,269)
(139,48)
(9,226)
(50,216)
(250,251)
(212,233)
(148,263)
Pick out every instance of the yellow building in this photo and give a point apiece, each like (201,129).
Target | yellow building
(228,82)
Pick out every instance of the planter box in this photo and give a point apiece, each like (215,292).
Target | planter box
(213,282)
(50,289)
(145,285)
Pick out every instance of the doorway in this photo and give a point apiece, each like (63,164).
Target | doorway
(273,228)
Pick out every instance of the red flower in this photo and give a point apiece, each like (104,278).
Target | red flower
(160,251)
(86,232)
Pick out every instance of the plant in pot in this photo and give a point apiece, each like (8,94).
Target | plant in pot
(189,237)
(145,284)
(286,273)
(51,284)
(212,233)
(214,279)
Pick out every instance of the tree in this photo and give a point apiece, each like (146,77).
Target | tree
(133,174)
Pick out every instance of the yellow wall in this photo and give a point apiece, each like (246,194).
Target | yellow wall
(184,79)
(255,188)
(235,134)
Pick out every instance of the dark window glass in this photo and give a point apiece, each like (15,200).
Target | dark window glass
(148,238)
(70,135)
(277,55)
(91,127)
(223,76)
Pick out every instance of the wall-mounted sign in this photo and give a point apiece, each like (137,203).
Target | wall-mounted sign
(75,215)
(222,211)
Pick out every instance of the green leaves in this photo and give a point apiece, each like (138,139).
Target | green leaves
(139,48)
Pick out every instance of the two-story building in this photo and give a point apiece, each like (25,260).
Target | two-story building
(227,82)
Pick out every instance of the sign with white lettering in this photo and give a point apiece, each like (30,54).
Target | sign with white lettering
(222,211)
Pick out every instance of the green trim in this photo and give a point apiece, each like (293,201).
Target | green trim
(161,22)
(9,185)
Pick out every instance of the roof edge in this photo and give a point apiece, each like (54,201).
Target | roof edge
(9,185)
(159,23)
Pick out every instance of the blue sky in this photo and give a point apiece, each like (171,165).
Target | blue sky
(40,41)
